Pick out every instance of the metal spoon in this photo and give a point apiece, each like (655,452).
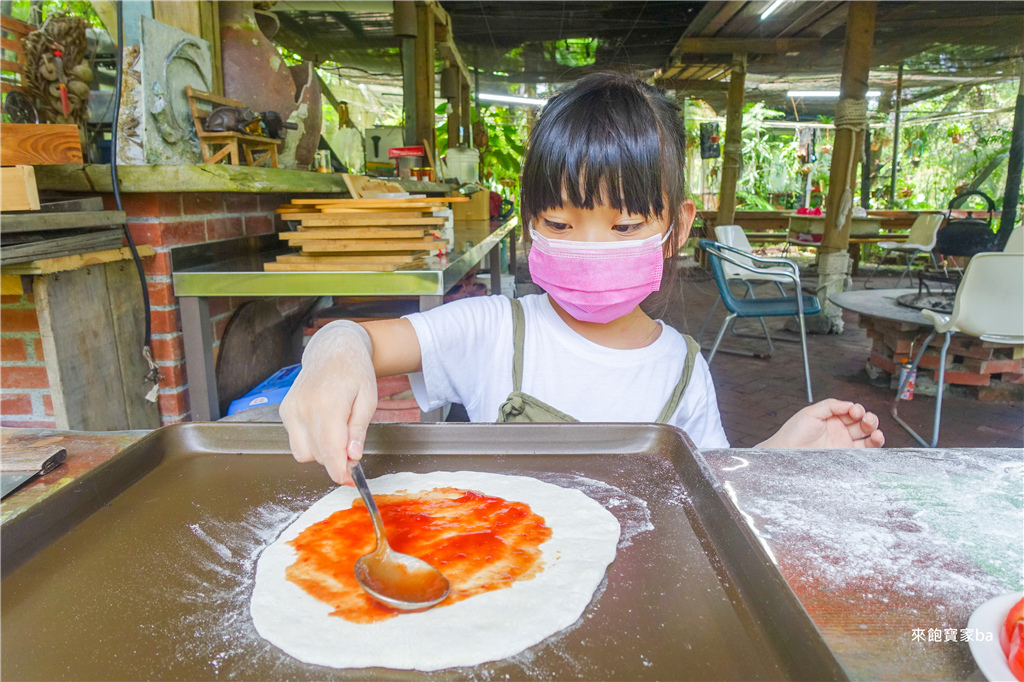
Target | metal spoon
(394,579)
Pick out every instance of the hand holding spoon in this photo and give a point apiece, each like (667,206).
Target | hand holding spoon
(394,579)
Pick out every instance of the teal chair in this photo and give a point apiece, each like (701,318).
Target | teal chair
(780,306)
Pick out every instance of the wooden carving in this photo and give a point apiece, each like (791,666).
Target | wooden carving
(57,75)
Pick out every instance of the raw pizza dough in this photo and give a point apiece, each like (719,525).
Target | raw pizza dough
(486,627)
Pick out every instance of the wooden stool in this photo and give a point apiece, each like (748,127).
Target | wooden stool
(216,147)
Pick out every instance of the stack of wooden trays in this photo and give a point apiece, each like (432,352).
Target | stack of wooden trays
(382,235)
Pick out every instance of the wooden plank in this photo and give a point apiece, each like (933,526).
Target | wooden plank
(13,67)
(62,246)
(11,285)
(379,218)
(362,245)
(748,45)
(80,350)
(424,71)
(351,233)
(357,266)
(48,266)
(72,205)
(398,204)
(692,85)
(36,143)
(15,25)
(128,316)
(14,46)
(344,220)
(181,14)
(18,188)
(406,257)
(40,222)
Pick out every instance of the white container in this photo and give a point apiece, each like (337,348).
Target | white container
(464,163)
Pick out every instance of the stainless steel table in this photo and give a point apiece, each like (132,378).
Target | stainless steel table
(234,267)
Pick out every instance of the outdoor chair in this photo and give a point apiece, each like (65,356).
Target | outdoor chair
(797,305)
(989,304)
(734,236)
(921,240)
(1015,244)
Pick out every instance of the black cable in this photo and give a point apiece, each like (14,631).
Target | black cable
(154,373)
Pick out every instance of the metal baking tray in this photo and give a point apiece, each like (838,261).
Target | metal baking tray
(143,568)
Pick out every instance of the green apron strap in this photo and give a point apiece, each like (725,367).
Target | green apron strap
(518,337)
(692,349)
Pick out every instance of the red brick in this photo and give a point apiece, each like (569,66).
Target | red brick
(18,320)
(158,264)
(1001,392)
(146,233)
(173,403)
(24,377)
(164,321)
(9,300)
(202,203)
(184,232)
(168,350)
(931,361)
(15,403)
(224,228)
(37,346)
(28,424)
(151,204)
(958,376)
(994,366)
(883,363)
(47,406)
(220,305)
(1013,377)
(161,293)
(219,326)
(173,377)
(13,350)
(241,203)
(258,224)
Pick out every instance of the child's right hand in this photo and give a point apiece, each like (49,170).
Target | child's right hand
(329,407)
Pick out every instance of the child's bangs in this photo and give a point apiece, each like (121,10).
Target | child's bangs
(596,147)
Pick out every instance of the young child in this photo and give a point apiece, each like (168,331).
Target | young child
(603,198)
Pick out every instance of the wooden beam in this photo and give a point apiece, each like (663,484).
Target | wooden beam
(47,266)
(747,45)
(445,45)
(33,144)
(424,74)
(18,189)
(467,113)
(455,114)
(731,154)
(691,85)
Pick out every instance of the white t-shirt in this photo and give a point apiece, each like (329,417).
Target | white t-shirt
(467,352)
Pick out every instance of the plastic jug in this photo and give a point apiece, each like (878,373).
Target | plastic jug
(464,163)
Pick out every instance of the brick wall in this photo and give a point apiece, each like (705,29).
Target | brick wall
(25,396)
(164,221)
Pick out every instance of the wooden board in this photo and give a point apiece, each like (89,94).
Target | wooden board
(80,350)
(363,245)
(321,220)
(352,258)
(381,202)
(320,234)
(129,329)
(42,221)
(46,266)
(40,458)
(63,246)
(355,266)
(362,186)
(18,188)
(35,144)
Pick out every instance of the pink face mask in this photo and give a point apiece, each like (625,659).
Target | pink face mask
(597,281)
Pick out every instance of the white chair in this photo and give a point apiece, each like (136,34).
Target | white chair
(751,276)
(920,240)
(1015,244)
(989,304)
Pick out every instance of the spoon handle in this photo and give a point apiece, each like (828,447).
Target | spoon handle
(364,491)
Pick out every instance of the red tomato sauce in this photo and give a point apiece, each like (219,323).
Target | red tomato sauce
(480,543)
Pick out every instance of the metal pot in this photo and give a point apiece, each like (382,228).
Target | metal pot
(968,236)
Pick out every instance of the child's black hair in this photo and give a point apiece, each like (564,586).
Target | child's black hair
(609,139)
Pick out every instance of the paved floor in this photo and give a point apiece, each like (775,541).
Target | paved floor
(756,396)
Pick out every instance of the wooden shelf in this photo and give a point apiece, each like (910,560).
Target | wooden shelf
(39,222)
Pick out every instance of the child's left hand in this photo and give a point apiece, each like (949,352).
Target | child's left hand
(830,424)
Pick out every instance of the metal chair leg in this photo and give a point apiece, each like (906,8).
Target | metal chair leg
(707,318)
(938,396)
(803,345)
(910,261)
(885,255)
(721,332)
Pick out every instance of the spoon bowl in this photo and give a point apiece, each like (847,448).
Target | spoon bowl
(397,580)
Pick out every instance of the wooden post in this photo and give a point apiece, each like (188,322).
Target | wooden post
(850,125)
(454,107)
(733,148)
(466,112)
(424,75)
(201,18)
(896,137)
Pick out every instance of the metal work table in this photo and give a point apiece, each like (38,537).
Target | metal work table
(880,303)
(234,267)
(882,547)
